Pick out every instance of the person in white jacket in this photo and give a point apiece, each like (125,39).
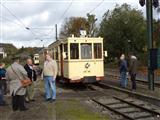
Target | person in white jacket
(49,74)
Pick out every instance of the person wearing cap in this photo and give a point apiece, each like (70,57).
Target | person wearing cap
(15,73)
(123,71)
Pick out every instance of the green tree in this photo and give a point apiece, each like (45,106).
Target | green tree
(123,30)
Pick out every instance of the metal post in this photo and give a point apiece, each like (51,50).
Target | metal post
(150,41)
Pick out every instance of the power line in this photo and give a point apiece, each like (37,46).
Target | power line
(17,19)
(96,7)
(11,21)
(66,10)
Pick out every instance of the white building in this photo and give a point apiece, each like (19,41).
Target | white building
(2,53)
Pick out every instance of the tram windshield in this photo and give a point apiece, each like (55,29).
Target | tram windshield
(86,51)
(74,51)
(97,50)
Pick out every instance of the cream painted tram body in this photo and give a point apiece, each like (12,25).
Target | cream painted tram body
(79,59)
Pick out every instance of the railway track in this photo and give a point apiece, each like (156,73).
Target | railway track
(157,84)
(144,97)
(128,109)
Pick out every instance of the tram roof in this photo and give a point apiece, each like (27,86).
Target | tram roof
(60,41)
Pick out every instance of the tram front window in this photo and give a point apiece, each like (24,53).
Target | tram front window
(97,50)
(74,51)
(86,51)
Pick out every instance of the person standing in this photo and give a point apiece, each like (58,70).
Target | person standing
(123,71)
(15,73)
(3,77)
(133,70)
(2,84)
(49,74)
(33,77)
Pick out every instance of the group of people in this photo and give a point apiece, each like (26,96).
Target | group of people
(15,73)
(130,67)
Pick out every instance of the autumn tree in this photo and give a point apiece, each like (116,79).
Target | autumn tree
(73,25)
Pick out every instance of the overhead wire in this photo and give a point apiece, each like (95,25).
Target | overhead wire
(18,19)
(11,21)
(66,10)
(63,14)
(96,7)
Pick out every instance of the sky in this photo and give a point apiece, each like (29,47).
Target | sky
(31,23)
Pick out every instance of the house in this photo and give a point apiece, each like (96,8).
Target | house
(2,53)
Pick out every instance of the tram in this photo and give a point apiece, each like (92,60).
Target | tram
(36,59)
(79,59)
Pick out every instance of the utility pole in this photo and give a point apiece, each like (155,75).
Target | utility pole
(56,32)
(149,12)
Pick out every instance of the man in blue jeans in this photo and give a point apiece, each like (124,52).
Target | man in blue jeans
(50,73)
(123,71)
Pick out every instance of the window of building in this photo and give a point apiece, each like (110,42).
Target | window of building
(86,51)
(74,51)
(97,50)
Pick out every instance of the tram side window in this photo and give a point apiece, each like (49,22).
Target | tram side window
(53,53)
(56,52)
(86,51)
(97,50)
(74,51)
(66,50)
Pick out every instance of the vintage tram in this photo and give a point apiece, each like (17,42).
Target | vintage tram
(36,59)
(79,59)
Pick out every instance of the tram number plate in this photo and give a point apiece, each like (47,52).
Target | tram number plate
(158,58)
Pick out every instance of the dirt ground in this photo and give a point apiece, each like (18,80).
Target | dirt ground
(66,107)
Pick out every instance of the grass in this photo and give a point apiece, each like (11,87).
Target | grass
(73,110)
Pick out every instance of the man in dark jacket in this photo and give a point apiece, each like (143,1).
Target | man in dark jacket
(133,70)
(123,71)
(32,75)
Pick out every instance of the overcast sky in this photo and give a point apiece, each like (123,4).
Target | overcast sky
(42,15)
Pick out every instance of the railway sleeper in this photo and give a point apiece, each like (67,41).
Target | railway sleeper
(108,101)
(138,115)
(129,110)
(149,118)
(119,106)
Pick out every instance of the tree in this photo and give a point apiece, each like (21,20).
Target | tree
(92,24)
(73,25)
(123,30)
